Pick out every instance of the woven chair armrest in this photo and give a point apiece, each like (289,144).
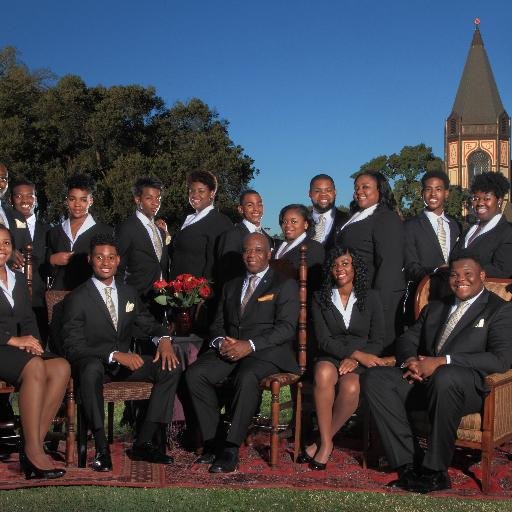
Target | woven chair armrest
(499,379)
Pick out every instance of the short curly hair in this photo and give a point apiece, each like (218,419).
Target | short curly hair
(205,177)
(493,182)
(360,284)
(81,182)
(103,239)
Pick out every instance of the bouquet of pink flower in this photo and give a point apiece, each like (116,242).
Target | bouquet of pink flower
(185,291)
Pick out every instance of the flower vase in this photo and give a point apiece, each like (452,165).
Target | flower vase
(183,322)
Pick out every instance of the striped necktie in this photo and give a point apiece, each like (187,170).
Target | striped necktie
(452,321)
(248,292)
(110,305)
(441,236)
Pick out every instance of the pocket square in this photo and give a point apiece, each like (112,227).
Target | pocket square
(265,298)
(20,224)
(129,306)
(480,323)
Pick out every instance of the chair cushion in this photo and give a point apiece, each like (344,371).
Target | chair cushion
(123,391)
(284,379)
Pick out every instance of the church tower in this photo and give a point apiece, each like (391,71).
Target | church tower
(477,131)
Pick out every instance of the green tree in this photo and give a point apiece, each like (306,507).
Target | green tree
(404,171)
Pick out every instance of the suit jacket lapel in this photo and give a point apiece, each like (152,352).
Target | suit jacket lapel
(143,233)
(261,288)
(453,233)
(100,303)
(429,230)
(122,301)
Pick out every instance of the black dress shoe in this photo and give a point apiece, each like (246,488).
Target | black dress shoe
(102,461)
(206,457)
(226,463)
(303,458)
(430,481)
(407,475)
(150,453)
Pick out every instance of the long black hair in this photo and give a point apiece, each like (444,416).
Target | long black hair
(359,285)
(386,197)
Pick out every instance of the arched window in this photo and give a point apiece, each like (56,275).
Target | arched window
(478,162)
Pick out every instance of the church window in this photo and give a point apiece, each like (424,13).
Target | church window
(478,162)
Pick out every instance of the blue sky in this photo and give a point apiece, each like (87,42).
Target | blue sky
(306,85)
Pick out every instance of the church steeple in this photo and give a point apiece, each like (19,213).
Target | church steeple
(478,100)
(477,131)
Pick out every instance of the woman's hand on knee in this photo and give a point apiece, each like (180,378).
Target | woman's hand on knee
(27,343)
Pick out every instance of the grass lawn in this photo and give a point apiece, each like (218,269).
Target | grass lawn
(97,499)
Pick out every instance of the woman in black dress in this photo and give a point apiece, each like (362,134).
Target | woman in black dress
(348,320)
(375,231)
(40,378)
(490,239)
(297,226)
(193,249)
(68,243)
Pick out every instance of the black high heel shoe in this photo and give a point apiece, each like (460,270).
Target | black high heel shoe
(303,458)
(32,471)
(318,466)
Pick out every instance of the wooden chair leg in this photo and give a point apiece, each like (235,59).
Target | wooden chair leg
(274,434)
(70,426)
(486,470)
(81,438)
(110,422)
(298,421)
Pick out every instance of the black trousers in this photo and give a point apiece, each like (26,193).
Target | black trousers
(93,373)
(207,373)
(449,394)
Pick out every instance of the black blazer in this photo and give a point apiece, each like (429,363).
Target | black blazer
(423,253)
(39,265)
(78,270)
(380,240)
(365,331)
(269,319)
(18,227)
(193,250)
(18,320)
(481,340)
(87,329)
(339,219)
(315,257)
(139,265)
(229,252)
(493,249)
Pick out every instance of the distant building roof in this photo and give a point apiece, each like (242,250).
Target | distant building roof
(478,100)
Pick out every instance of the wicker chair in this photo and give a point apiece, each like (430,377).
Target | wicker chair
(491,427)
(112,392)
(274,383)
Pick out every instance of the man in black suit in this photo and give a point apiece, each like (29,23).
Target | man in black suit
(251,338)
(328,219)
(13,220)
(230,248)
(143,244)
(24,201)
(429,238)
(443,360)
(97,328)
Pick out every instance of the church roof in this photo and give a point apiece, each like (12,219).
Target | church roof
(478,100)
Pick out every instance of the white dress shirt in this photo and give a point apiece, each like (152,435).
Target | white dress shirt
(31,224)
(194,217)
(88,223)
(360,215)
(490,225)
(9,289)
(3,216)
(285,246)
(146,222)
(251,227)
(432,217)
(346,312)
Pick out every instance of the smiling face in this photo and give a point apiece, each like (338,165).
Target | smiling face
(466,278)
(24,200)
(104,261)
(5,246)
(322,194)
(256,253)
(149,201)
(200,195)
(251,208)
(435,195)
(342,270)
(366,193)
(293,225)
(485,204)
(78,202)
